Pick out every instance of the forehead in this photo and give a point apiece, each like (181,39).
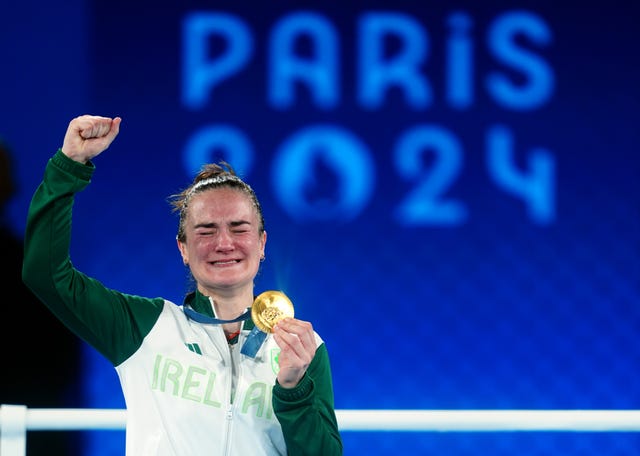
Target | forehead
(221,204)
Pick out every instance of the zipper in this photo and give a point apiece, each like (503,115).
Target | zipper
(228,420)
(228,415)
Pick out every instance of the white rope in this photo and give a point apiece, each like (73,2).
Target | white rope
(389,420)
(489,420)
(16,420)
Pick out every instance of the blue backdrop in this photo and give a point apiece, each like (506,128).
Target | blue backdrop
(450,188)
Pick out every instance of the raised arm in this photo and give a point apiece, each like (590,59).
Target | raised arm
(112,322)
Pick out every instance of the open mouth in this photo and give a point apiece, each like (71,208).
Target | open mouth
(225,262)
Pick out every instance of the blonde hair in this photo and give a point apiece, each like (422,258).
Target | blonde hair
(212,175)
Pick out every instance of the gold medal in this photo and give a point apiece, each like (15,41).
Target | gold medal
(269,308)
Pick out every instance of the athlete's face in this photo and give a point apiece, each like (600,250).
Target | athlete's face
(223,244)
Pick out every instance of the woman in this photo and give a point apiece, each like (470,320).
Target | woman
(198,379)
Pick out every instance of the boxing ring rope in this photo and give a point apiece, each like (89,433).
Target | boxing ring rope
(16,420)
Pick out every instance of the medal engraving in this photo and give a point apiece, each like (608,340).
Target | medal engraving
(269,308)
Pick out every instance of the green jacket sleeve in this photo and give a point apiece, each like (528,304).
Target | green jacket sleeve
(306,412)
(114,323)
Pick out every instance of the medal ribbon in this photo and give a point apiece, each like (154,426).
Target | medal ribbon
(252,343)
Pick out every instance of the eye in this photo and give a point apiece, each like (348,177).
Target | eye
(205,232)
(240,228)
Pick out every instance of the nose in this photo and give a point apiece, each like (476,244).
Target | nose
(225,240)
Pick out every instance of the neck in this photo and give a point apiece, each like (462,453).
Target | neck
(228,307)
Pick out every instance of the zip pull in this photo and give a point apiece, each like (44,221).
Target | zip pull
(229,412)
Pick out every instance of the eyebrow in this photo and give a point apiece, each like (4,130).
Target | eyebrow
(233,224)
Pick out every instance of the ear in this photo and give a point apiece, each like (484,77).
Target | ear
(183,252)
(263,242)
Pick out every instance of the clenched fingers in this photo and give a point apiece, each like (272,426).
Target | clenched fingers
(87,136)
